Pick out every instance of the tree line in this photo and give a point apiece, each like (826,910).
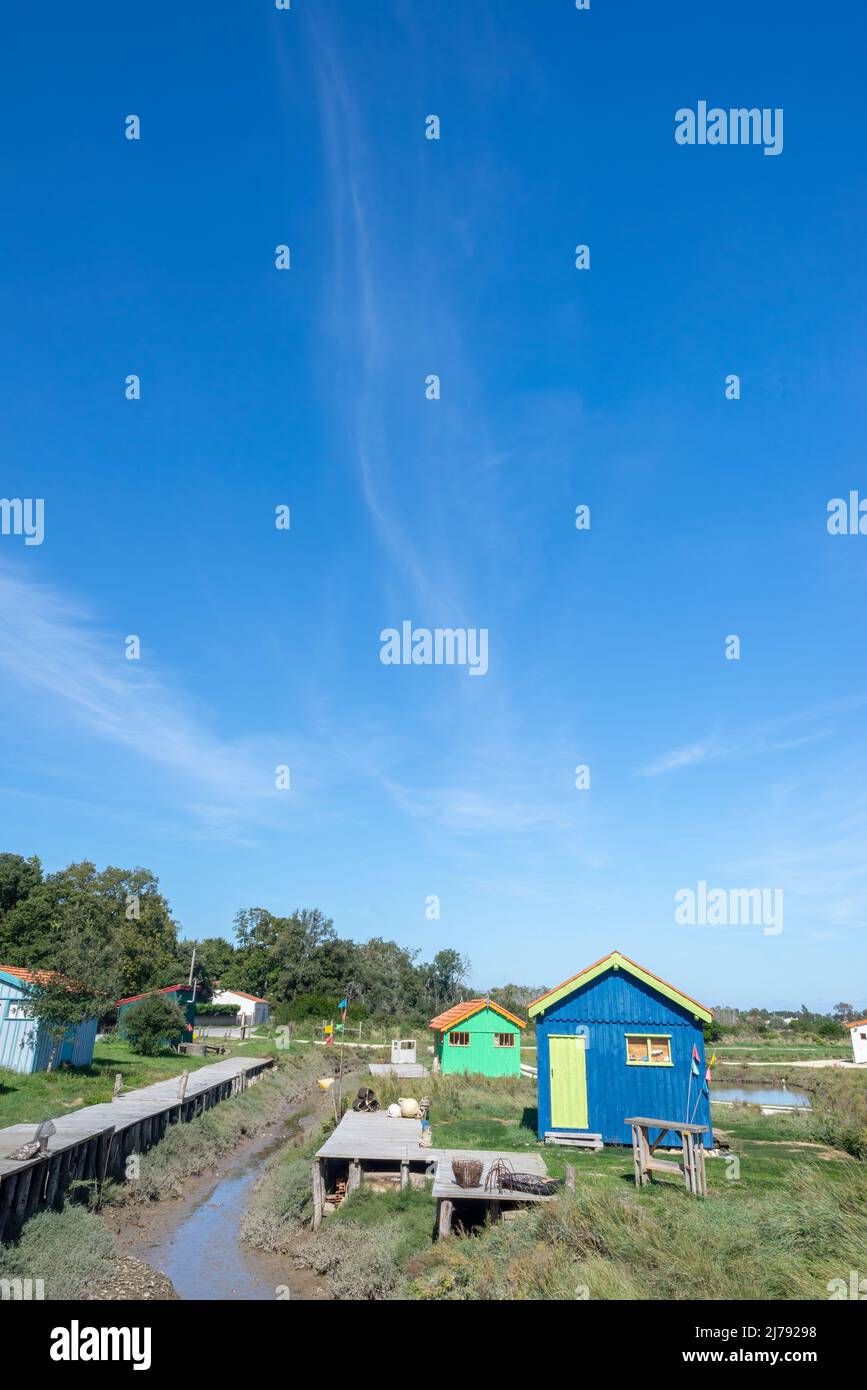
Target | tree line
(108,934)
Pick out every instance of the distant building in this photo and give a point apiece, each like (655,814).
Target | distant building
(25,1043)
(858,1034)
(251,1009)
(478,1036)
(184,995)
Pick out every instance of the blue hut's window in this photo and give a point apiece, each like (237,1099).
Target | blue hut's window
(459,1039)
(18,1011)
(504,1040)
(648,1050)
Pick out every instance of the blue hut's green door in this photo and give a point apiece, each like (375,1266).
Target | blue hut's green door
(568,1083)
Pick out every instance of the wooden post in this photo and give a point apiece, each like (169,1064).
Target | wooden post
(636,1156)
(318,1193)
(404,1173)
(118,1085)
(570,1177)
(182,1084)
(687,1159)
(444,1217)
(353,1180)
(644,1152)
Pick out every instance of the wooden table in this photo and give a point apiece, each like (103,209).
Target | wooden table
(692,1165)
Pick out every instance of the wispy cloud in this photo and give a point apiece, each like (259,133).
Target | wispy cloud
(66,668)
(765,738)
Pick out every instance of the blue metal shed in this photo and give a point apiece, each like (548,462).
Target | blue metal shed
(616,1040)
(25,1044)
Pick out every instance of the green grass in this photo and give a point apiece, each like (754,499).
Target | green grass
(42,1096)
(609,1243)
(784,1214)
(781,1052)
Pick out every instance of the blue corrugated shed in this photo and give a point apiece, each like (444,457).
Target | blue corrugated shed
(616,1041)
(25,1044)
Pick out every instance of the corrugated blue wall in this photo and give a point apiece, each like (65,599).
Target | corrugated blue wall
(605,1010)
(25,1047)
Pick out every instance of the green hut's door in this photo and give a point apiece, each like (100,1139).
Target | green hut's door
(568,1083)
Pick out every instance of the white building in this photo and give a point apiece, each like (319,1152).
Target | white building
(858,1032)
(252,1009)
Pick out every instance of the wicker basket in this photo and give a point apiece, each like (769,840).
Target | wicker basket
(467,1171)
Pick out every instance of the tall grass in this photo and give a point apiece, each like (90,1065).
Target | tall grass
(604,1244)
(364,1248)
(70,1250)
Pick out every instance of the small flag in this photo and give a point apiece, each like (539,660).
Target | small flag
(338,1027)
(695,1056)
(341,1004)
(694,1065)
(711,1062)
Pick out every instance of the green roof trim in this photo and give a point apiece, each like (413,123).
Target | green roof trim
(617,961)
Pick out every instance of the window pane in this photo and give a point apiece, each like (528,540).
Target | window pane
(636,1049)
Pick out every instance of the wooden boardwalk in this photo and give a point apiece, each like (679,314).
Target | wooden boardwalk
(95,1141)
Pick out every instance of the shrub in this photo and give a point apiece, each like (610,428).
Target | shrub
(150,1025)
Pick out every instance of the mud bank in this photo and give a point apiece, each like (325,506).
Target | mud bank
(193,1242)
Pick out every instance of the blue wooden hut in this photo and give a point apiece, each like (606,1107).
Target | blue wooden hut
(25,1043)
(616,1040)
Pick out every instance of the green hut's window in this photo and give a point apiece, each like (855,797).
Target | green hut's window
(648,1050)
(504,1040)
(459,1039)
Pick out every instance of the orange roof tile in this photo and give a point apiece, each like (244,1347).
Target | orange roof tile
(30,977)
(458,1012)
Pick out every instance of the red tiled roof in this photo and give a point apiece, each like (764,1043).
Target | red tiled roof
(169,989)
(458,1012)
(30,977)
(859,1022)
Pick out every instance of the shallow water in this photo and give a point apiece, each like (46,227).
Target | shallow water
(203,1254)
(763,1095)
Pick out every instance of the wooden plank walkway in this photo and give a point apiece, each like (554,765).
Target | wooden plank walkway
(97,1139)
(376,1138)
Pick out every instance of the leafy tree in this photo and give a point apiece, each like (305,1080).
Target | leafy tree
(18,877)
(151,1024)
(82,980)
(842,1012)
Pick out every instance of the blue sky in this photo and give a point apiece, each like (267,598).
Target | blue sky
(306,387)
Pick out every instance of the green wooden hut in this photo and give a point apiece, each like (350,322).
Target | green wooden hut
(184,995)
(478,1036)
